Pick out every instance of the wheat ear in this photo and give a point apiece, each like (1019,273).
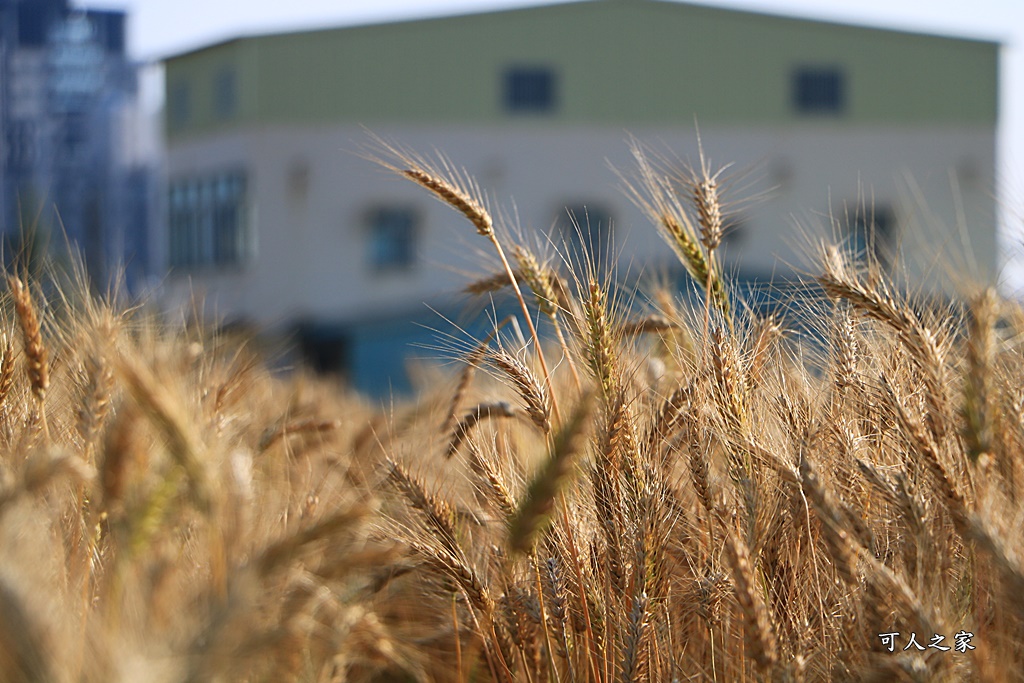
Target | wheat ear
(709,219)
(538,405)
(657,199)
(463,201)
(760,634)
(6,369)
(438,516)
(96,400)
(730,377)
(32,338)
(600,346)
(634,649)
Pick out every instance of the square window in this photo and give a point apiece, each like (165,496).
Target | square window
(392,238)
(819,90)
(529,89)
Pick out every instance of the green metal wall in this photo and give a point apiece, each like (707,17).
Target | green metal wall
(630,62)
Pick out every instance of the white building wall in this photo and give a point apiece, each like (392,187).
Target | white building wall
(309,189)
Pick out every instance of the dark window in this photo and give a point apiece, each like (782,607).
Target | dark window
(109,29)
(225,93)
(230,239)
(208,221)
(179,108)
(530,89)
(326,348)
(34,20)
(586,231)
(21,145)
(184,208)
(819,90)
(392,239)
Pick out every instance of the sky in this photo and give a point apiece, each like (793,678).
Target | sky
(158,28)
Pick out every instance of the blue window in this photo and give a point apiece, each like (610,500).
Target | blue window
(530,89)
(819,90)
(392,239)
(208,221)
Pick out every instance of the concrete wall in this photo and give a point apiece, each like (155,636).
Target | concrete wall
(311,255)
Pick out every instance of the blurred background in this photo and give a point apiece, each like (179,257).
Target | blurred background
(213,150)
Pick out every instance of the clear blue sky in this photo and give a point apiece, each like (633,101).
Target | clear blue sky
(161,27)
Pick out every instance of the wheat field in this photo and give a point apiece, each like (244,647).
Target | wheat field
(641,487)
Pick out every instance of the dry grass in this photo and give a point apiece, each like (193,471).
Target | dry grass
(718,500)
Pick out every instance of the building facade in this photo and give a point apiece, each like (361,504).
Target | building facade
(278,219)
(67,94)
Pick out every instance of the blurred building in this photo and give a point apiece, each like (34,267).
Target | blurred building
(67,113)
(276,216)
